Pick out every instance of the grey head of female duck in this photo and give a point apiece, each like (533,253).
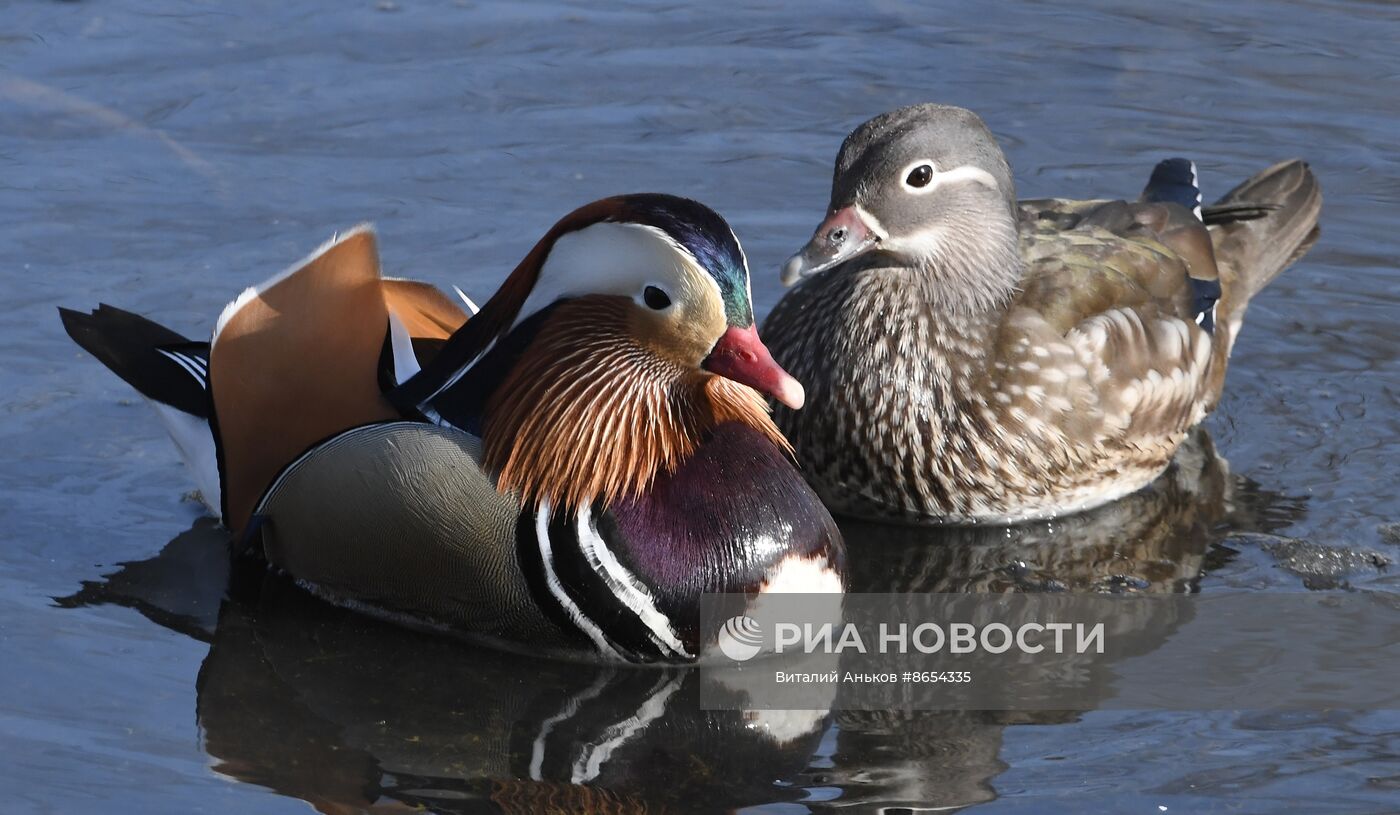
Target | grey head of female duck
(924,187)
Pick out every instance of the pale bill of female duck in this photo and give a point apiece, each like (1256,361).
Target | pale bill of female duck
(569,470)
(971,359)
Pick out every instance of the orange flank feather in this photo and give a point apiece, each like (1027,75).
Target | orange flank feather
(296,361)
(591,413)
(426,313)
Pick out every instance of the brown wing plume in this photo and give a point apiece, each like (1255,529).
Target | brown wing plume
(424,310)
(295,361)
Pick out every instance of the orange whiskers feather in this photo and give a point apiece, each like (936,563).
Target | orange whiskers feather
(590,414)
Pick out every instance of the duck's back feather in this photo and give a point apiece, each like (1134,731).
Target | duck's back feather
(1115,281)
(1141,280)
(1088,257)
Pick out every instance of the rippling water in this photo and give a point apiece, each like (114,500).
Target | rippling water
(161,155)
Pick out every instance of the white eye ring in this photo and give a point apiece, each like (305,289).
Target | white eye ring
(911,173)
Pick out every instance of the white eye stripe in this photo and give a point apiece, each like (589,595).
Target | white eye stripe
(613,258)
(967,172)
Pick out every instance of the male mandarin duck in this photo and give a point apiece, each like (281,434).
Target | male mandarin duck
(970,359)
(569,469)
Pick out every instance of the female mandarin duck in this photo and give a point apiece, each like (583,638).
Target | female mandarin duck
(969,359)
(570,468)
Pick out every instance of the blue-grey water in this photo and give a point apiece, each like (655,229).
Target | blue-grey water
(162,155)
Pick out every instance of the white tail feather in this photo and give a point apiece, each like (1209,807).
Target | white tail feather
(195,441)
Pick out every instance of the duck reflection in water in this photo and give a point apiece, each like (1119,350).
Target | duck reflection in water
(353,714)
(1157,541)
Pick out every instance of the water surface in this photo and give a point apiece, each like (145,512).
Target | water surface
(160,156)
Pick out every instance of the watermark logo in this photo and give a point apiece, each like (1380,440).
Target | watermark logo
(740,638)
(1048,651)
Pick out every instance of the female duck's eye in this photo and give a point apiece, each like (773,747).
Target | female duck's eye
(920,176)
(656,298)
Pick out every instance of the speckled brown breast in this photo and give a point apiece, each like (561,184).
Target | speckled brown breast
(1076,392)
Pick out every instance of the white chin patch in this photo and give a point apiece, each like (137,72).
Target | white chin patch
(795,574)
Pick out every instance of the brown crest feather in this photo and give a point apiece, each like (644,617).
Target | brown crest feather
(589,413)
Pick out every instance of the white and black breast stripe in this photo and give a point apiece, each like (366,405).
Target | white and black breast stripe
(590,585)
(561,595)
(627,588)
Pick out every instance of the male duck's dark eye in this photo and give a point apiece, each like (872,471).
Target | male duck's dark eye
(920,176)
(656,298)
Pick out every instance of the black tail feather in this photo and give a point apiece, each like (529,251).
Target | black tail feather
(1230,213)
(159,363)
